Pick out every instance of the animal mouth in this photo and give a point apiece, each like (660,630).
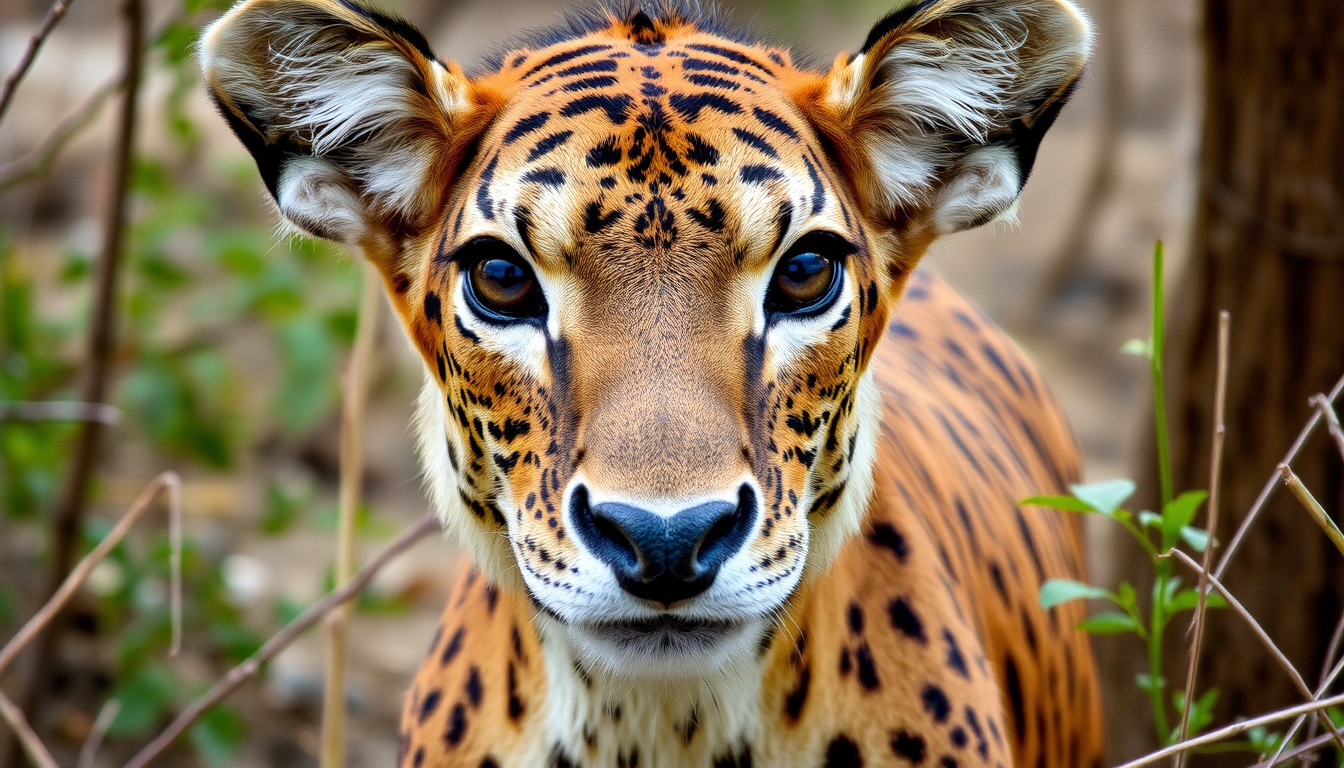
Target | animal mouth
(666,634)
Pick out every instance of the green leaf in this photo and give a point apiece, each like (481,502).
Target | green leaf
(1105,497)
(1127,596)
(308,378)
(1181,511)
(1149,684)
(145,698)
(1187,599)
(281,510)
(1056,591)
(1200,715)
(1108,623)
(1135,347)
(1149,519)
(1197,538)
(219,735)
(1065,503)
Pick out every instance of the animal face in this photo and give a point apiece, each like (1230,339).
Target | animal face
(646,265)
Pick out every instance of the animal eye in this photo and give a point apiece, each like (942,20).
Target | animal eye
(500,284)
(808,276)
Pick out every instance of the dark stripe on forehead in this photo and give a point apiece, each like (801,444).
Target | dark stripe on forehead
(551,177)
(522,221)
(595,221)
(730,55)
(774,122)
(818,189)
(590,83)
(606,153)
(755,142)
(548,144)
(710,66)
(483,199)
(785,221)
(561,58)
(525,126)
(690,104)
(760,174)
(616,107)
(712,218)
(601,65)
(701,152)
(710,81)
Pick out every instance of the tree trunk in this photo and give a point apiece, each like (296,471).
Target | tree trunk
(1269,247)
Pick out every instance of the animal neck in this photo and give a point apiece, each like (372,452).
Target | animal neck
(597,718)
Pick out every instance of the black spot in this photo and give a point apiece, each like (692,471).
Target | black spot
(954,658)
(400,283)
(908,745)
(759,174)
(701,151)
(797,698)
(615,107)
(595,221)
(774,122)
(433,309)
(454,645)
(867,670)
(473,687)
(855,616)
(690,104)
(515,701)
(947,761)
(997,576)
(525,126)
(429,704)
(958,737)
(935,702)
(489,762)
(606,153)
(755,142)
(842,752)
(548,144)
(551,177)
(457,725)
(1013,682)
(712,218)
(905,620)
(884,535)
(739,759)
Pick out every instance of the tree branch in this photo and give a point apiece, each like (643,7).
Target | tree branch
(39,37)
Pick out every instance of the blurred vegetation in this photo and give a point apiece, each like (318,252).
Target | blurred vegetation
(197,274)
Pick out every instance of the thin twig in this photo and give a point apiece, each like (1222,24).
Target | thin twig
(68,512)
(1292,731)
(55,410)
(1260,633)
(39,161)
(1235,729)
(1313,506)
(37,751)
(1273,483)
(1331,420)
(278,642)
(1311,745)
(352,468)
(1215,477)
(169,481)
(49,23)
(88,753)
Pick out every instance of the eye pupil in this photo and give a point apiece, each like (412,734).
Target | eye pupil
(500,283)
(807,277)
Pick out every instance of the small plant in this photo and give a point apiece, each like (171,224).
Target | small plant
(1156,534)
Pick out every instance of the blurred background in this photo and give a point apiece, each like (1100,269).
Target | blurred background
(230,341)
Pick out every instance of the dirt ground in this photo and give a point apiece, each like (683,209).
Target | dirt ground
(1074,335)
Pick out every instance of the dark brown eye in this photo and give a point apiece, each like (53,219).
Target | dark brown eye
(808,276)
(499,281)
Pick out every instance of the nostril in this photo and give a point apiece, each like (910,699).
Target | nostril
(618,544)
(729,533)
(606,539)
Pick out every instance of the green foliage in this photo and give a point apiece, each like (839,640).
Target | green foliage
(1156,534)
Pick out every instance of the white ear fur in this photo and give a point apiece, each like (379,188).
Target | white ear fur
(944,103)
(348,121)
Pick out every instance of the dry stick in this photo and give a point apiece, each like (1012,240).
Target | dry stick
(167,480)
(40,160)
(1292,730)
(49,23)
(1215,476)
(278,642)
(88,753)
(68,514)
(1273,483)
(1311,745)
(1259,633)
(37,751)
(352,467)
(1235,729)
(1331,421)
(59,410)
(1313,506)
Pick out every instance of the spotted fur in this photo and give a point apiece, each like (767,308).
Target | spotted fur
(652,167)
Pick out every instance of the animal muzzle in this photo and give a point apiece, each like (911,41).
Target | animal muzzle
(664,559)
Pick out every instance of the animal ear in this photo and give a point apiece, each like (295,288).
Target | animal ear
(942,111)
(349,115)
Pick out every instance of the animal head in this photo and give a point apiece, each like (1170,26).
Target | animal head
(646,263)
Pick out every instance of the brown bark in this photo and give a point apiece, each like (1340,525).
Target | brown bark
(1269,247)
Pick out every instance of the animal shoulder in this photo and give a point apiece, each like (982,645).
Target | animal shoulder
(735,483)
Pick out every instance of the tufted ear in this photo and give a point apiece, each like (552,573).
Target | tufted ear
(942,111)
(351,119)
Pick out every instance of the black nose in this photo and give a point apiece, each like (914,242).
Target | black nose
(664,559)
